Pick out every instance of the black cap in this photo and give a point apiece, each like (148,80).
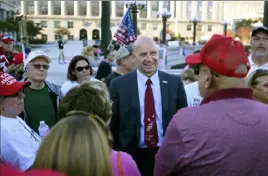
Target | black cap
(259,29)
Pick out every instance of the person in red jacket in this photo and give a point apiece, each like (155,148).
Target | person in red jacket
(11,61)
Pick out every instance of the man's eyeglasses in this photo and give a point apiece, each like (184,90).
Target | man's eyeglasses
(79,69)
(39,66)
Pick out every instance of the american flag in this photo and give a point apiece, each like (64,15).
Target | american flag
(125,33)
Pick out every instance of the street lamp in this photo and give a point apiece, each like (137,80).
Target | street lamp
(165,15)
(195,21)
(134,6)
(225,24)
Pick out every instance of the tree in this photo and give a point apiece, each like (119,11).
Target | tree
(243,29)
(62,31)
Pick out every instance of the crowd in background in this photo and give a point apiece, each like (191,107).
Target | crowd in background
(138,120)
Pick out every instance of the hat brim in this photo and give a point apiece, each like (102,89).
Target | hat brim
(42,56)
(193,59)
(259,30)
(18,86)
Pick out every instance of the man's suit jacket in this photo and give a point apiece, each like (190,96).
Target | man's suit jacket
(125,122)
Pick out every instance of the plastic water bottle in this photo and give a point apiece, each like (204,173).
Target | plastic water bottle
(43,129)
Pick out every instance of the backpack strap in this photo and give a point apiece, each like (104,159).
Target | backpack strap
(119,164)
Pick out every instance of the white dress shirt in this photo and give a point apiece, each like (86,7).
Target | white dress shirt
(157,104)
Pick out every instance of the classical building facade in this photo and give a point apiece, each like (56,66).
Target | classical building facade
(7,9)
(83,17)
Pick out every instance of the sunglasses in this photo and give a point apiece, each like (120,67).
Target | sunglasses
(79,69)
(39,66)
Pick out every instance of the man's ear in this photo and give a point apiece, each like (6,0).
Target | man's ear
(208,80)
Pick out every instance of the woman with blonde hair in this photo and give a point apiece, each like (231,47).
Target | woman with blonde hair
(93,98)
(76,146)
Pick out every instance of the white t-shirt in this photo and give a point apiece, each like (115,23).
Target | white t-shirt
(253,66)
(193,94)
(68,85)
(19,143)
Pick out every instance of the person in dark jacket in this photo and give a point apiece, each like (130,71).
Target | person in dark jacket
(105,67)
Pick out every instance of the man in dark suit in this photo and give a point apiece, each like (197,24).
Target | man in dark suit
(144,101)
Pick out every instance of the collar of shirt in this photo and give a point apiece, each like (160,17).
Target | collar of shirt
(229,94)
(142,78)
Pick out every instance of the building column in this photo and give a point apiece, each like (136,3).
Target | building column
(221,7)
(204,10)
(76,8)
(215,10)
(172,10)
(178,10)
(23,7)
(36,7)
(63,8)
(100,8)
(184,10)
(88,8)
(194,9)
(50,8)
(160,7)
(149,9)
(113,4)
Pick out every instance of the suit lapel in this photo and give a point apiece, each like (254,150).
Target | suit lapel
(134,100)
(164,93)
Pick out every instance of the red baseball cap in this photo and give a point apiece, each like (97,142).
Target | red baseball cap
(18,58)
(6,39)
(9,85)
(9,171)
(223,55)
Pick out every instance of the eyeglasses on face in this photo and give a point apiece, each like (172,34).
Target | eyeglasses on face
(79,69)
(39,66)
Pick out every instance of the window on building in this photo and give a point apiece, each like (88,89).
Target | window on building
(70,24)
(82,5)
(155,8)
(44,37)
(95,8)
(210,6)
(155,27)
(119,8)
(143,12)
(56,37)
(56,7)
(30,7)
(209,28)
(199,9)
(189,27)
(189,10)
(70,37)
(43,24)
(43,7)
(166,4)
(143,26)
(70,7)
(199,27)
(56,24)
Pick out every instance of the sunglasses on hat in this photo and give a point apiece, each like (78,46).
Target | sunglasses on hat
(79,69)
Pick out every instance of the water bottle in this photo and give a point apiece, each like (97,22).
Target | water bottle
(43,129)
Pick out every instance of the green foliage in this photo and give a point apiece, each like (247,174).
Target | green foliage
(12,25)
(62,31)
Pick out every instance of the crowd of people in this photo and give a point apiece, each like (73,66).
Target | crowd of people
(138,120)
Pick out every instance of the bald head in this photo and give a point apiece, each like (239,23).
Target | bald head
(146,54)
(143,41)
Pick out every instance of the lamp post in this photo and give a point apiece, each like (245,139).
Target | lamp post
(225,25)
(165,15)
(134,6)
(265,19)
(195,21)
(105,25)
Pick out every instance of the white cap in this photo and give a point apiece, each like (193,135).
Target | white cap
(42,122)
(33,55)
(251,75)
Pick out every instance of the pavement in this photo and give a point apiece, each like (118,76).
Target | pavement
(58,72)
